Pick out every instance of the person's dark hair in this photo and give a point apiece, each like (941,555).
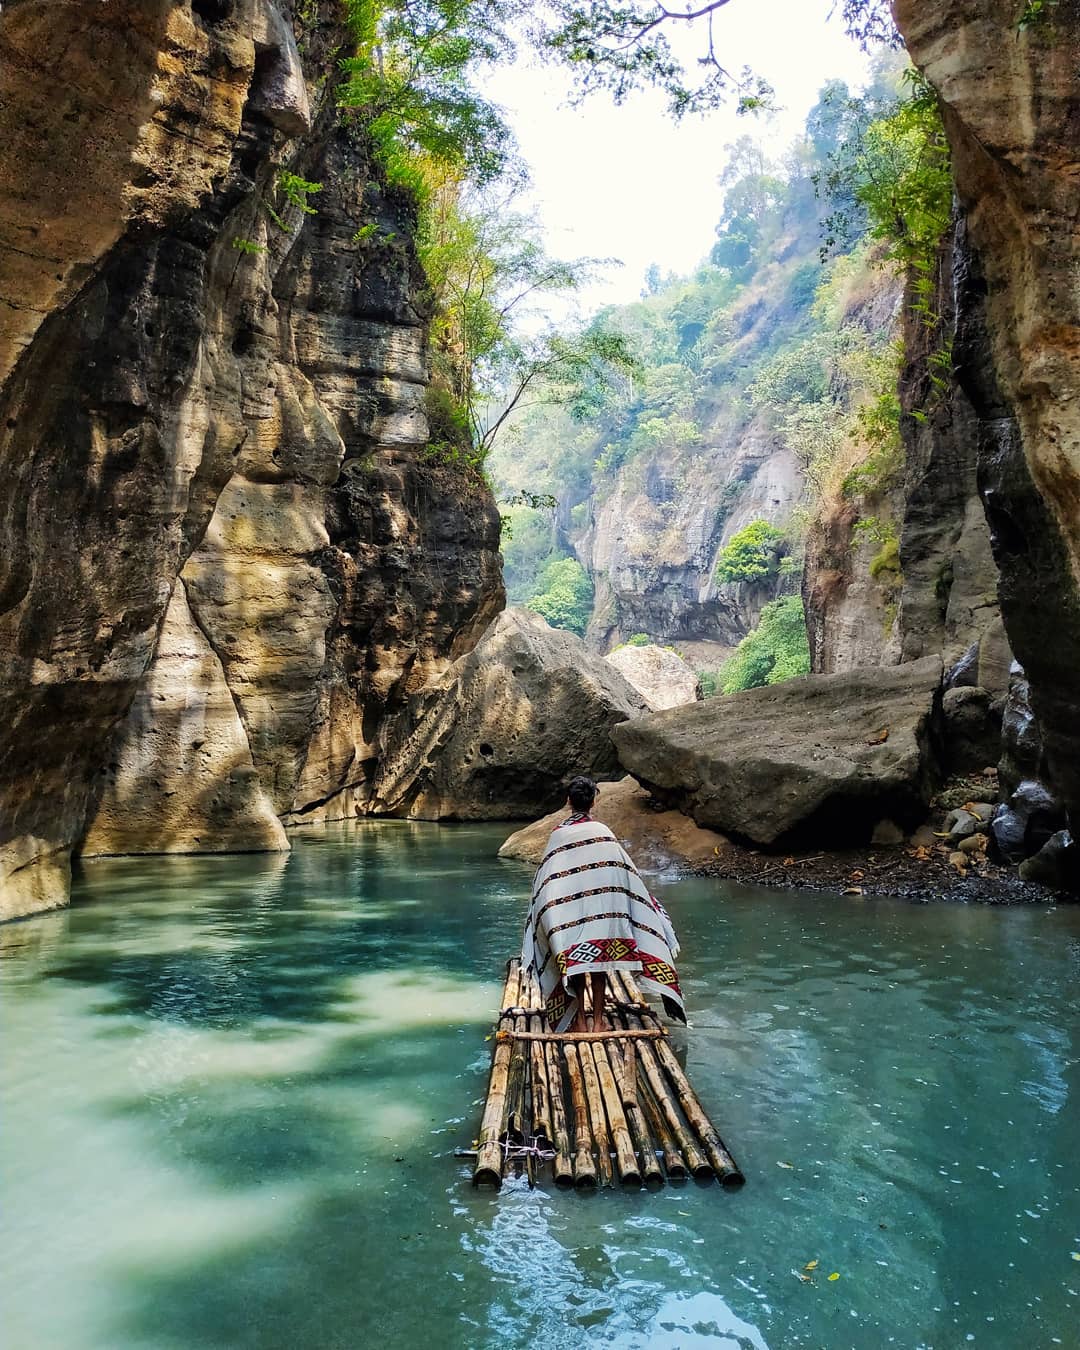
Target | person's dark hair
(581,793)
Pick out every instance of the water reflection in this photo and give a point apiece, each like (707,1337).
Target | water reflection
(233,1086)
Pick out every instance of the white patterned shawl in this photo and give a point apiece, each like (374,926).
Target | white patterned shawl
(591,911)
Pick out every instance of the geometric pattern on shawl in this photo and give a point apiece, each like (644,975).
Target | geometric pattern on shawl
(590,910)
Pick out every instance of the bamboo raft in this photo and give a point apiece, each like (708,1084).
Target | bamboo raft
(597,1105)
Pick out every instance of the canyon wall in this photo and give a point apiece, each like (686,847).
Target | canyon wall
(225,555)
(936,591)
(654,541)
(1009,101)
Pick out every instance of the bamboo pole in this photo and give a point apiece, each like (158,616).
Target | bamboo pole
(723,1164)
(630,990)
(489,1153)
(596,1114)
(674,1163)
(584,1163)
(562,1167)
(651,1170)
(538,1077)
(695,1159)
(551,1073)
(517,1078)
(624,1066)
(629,1172)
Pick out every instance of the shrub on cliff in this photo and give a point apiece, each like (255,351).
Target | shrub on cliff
(751,555)
(564,596)
(776,650)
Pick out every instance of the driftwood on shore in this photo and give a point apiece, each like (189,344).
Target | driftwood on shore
(598,1106)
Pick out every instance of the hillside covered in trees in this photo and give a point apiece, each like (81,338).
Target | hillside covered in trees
(758,402)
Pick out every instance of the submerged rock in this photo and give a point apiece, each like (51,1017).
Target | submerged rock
(500,735)
(817,760)
(659,674)
(654,839)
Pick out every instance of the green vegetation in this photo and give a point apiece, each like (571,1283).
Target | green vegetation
(617,46)
(710,683)
(651,388)
(407,85)
(565,599)
(528,545)
(792,346)
(887,558)
(888,173)
(296,191)
(751,556)
(1034,12)
(776,650)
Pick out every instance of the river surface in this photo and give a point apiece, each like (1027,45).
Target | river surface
(232,1088)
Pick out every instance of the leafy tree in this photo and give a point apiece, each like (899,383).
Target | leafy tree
(486,267)
(622,45)
(777,649)
(891,171)
(407,82)
(564,596)
(529,544)
(752,555)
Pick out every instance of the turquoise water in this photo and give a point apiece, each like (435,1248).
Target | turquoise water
(232,1088)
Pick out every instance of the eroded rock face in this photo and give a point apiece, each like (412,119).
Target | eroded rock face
(653,546)
(211,441)
(850,616)
(505,730)
(940,594)
(818,760)
(656,840)
(1009,104)
(182,779)
(660,676)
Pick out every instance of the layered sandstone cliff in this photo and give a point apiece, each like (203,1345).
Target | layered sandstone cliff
(224,556)
(1009,101)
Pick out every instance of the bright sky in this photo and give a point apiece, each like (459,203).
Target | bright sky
(629,182)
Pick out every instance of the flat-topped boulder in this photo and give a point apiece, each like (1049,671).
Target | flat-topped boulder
(656,840)
(815,761)
(659,674)
(510,723)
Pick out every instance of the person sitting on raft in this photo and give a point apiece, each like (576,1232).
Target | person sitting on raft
(591,913)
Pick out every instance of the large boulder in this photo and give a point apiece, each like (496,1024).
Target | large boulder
(818,760)
(659,674)
(972,728)
(1027,821)
(499,736)
(655,839)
